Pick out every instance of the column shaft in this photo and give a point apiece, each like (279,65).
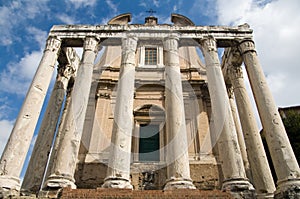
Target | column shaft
(40,154)
(178,169)
(63,169)
(261,173)
(240,136)
(118,172)
(14,154)
(283,157)
(224,128)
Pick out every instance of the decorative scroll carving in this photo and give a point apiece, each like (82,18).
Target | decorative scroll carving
(53,44)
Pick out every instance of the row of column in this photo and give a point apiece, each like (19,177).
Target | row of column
(118,174)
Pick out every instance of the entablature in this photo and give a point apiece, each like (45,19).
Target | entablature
(73,35)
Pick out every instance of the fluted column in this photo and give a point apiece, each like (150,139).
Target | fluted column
(39,157)
(14,154)
(235,179)
(178,170)
(284,160)
(118,172)
(62,172)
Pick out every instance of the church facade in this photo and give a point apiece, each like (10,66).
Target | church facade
(150,107)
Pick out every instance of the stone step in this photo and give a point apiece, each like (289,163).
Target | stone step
(142,194)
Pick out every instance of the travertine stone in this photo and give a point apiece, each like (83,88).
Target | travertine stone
(262,176)
(119,163)
(239,131)
(39,157)
(62,172)
(231,159)
(14,154)
(285,163)
(177,158)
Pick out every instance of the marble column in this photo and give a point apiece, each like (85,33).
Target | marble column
(63,169)
(60,131)
(14,154)
(178,170)
(261,173)
(118,172)
(239,131)
(39,157)
(235,180)
(284,160)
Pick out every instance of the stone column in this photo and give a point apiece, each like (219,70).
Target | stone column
(14,154)
(239,132)
(62,172)
(118,172)
(261,173)
(235,180)
(178,170)
(283,157)
(39,157)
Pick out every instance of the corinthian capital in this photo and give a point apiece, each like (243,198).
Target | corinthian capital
(247,46)
(171,43)
(53,44)
(235,72)
(91,44)
(129,43)
(208,44)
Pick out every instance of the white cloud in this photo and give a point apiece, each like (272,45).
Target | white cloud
(6,127)
(276,34)
(82,3)
(66,19)
(112,6)
(17,76)
(39,36)
(16,13)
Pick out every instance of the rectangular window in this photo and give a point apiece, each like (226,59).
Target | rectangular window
(149,143)
(150,56)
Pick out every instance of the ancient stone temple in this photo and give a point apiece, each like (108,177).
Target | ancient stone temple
(149,107)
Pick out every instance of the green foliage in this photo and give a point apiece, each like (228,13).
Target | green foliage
(292,126)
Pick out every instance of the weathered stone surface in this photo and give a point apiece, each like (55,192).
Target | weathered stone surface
(14,154)
(119,163)
(62,172)
(284,160)
(230,154)
(262,177)
(177,159)
(35,172)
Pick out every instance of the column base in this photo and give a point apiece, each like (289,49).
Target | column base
(265,196)
(117,183)
(9,186)
(58,181)
(288,189)
(179,183)
(239,188)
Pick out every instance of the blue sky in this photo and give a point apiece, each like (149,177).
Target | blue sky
(24,26)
